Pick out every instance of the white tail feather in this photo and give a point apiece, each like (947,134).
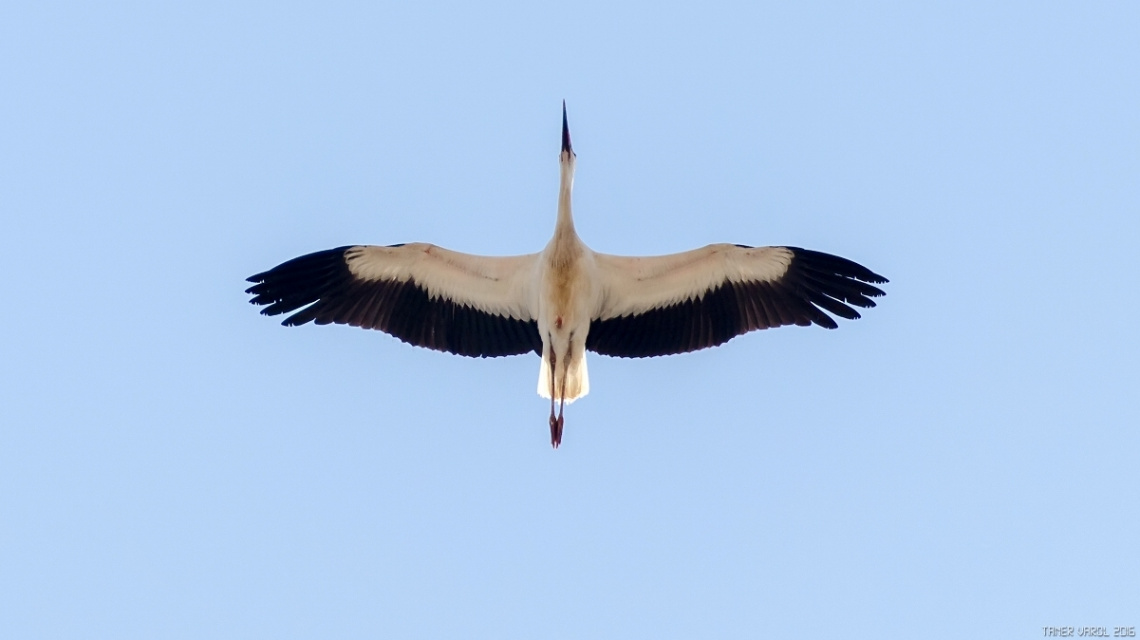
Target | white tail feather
(577,380)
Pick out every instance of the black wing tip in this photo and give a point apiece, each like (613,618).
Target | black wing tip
(297,282)
(834,284)
(836,265)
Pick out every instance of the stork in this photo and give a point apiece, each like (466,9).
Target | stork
(566,299)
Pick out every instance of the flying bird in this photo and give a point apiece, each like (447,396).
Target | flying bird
(567,299)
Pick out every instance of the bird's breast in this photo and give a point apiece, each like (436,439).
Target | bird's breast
(566,292)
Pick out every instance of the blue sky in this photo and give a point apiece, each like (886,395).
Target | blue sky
(961,461)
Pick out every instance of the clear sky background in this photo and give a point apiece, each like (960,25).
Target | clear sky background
(962,462)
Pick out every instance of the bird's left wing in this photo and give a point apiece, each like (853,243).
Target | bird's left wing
(422,294)
(662,305)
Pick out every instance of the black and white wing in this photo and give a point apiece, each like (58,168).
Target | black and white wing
(662,305)
(420,293)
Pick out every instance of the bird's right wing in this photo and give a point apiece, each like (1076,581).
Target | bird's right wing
(662,305)
(422,294)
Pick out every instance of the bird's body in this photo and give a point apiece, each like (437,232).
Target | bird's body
(568,290)
(567,299)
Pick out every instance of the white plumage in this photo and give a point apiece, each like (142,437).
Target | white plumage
(567,299)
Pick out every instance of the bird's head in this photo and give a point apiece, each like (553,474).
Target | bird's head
(566,158)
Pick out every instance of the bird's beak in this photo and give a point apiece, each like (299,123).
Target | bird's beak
(566,148)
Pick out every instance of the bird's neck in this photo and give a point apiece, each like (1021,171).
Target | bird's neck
(565,247)
(565,224)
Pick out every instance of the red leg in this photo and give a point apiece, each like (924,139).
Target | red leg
(555,423)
